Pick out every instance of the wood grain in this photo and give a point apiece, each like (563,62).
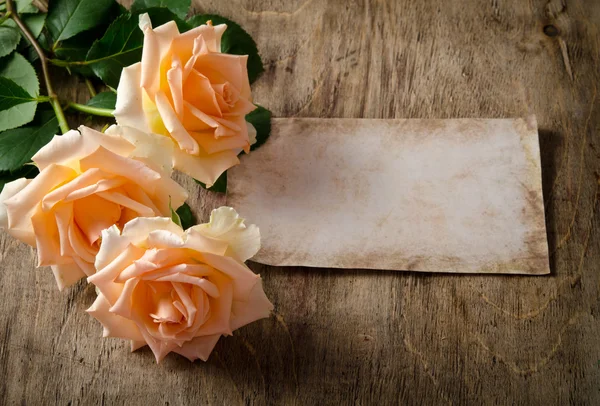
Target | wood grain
(366,337)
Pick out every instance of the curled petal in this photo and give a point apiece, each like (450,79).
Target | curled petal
(69,148)
(174,125)
(226,224)
(157,43)
(175,82)
(104,279)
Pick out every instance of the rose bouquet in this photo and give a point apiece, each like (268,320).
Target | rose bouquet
(102,205)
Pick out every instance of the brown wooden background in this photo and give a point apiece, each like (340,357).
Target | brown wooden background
(352,336)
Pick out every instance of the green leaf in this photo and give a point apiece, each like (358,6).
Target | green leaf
(27,171)
(178,7)
(12,94)
(104,100)
(16,68)
(122,43)
(35,23)
(235,41)
(261,120)
(9,37)
(220,185)
(67,18)
(186,216)
(25,6)
(120,46)
(18,145)
(175,216)
(76,48)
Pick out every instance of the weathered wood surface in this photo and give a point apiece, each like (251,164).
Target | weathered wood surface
(344,337)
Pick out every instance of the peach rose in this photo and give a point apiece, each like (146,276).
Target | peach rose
(174,290)
(88,181)
(186,89)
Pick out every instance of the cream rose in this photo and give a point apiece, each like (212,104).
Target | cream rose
(88,181)
(178,291)
(186,89)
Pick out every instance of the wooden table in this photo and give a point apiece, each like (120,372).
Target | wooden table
(364,337)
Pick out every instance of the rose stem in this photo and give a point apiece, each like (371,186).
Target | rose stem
(58,111)
(97,111)
(90,87)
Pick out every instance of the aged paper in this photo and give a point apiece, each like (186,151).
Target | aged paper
(460,195)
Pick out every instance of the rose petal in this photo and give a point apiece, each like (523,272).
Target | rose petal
(139,195)
(10,189)
(220,309)
(154,150)
(47,240)
(131,169)
(210,288)
(226,224)
(204,167)
(174,125)
(221,68)
(256,307)
(69,148)
(86,184)
(67,274)
(185,304)
(203,42)
(251,134)
(80,244)
(105,277)
(122,306)
(189,269)
(199,93)
(202,243)
(21,206)
(63,215)
(137,230)
(157,43)
(114,325)
(199,347)
(129,110)
(154,263)
(92,214)
(124,201)
(237,141)
(164,239)
(175,82)
(87,267)
(112,246)
(242,278)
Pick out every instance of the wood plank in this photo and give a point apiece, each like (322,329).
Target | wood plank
(360,337)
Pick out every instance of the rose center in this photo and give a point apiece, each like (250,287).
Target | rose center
(165,311)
